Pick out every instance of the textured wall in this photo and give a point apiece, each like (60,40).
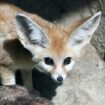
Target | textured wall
(99,38)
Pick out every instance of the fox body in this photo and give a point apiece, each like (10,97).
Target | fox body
(27,41)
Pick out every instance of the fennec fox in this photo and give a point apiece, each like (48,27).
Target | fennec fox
(28,41)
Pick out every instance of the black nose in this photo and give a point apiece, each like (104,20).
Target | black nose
(59,79)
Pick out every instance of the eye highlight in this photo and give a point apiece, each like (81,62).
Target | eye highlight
(48,61)
(67,61)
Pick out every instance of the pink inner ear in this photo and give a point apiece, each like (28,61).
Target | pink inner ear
(84,33)
(26,42)
(30,31)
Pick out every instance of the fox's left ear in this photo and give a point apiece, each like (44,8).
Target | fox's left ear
(30,34)
(82,36)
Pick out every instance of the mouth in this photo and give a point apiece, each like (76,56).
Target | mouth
(58,82)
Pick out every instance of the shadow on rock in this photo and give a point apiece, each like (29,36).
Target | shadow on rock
(49,9)
(44,84)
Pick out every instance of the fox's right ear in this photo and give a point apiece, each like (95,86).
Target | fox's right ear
(30,33)
(83,34)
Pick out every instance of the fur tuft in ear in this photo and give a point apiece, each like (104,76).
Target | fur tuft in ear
(82,36)
(29,32)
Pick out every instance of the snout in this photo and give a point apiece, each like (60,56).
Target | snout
(59,78)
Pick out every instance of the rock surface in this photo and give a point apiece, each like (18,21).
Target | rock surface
(85,85)
(17,95)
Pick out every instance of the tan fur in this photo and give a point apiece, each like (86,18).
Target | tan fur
(56,33)
(12,53)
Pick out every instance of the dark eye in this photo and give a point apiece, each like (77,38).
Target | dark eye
(67,60)
(48,61)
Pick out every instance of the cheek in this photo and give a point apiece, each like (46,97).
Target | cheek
(70,66)
(48,68)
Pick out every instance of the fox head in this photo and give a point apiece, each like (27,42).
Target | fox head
(55,48)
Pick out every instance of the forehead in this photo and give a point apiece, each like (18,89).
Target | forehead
(58,38)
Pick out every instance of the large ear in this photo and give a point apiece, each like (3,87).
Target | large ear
(82,35)
(30,33)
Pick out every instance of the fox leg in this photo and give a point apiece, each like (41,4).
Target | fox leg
(27,79)
(7,76)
